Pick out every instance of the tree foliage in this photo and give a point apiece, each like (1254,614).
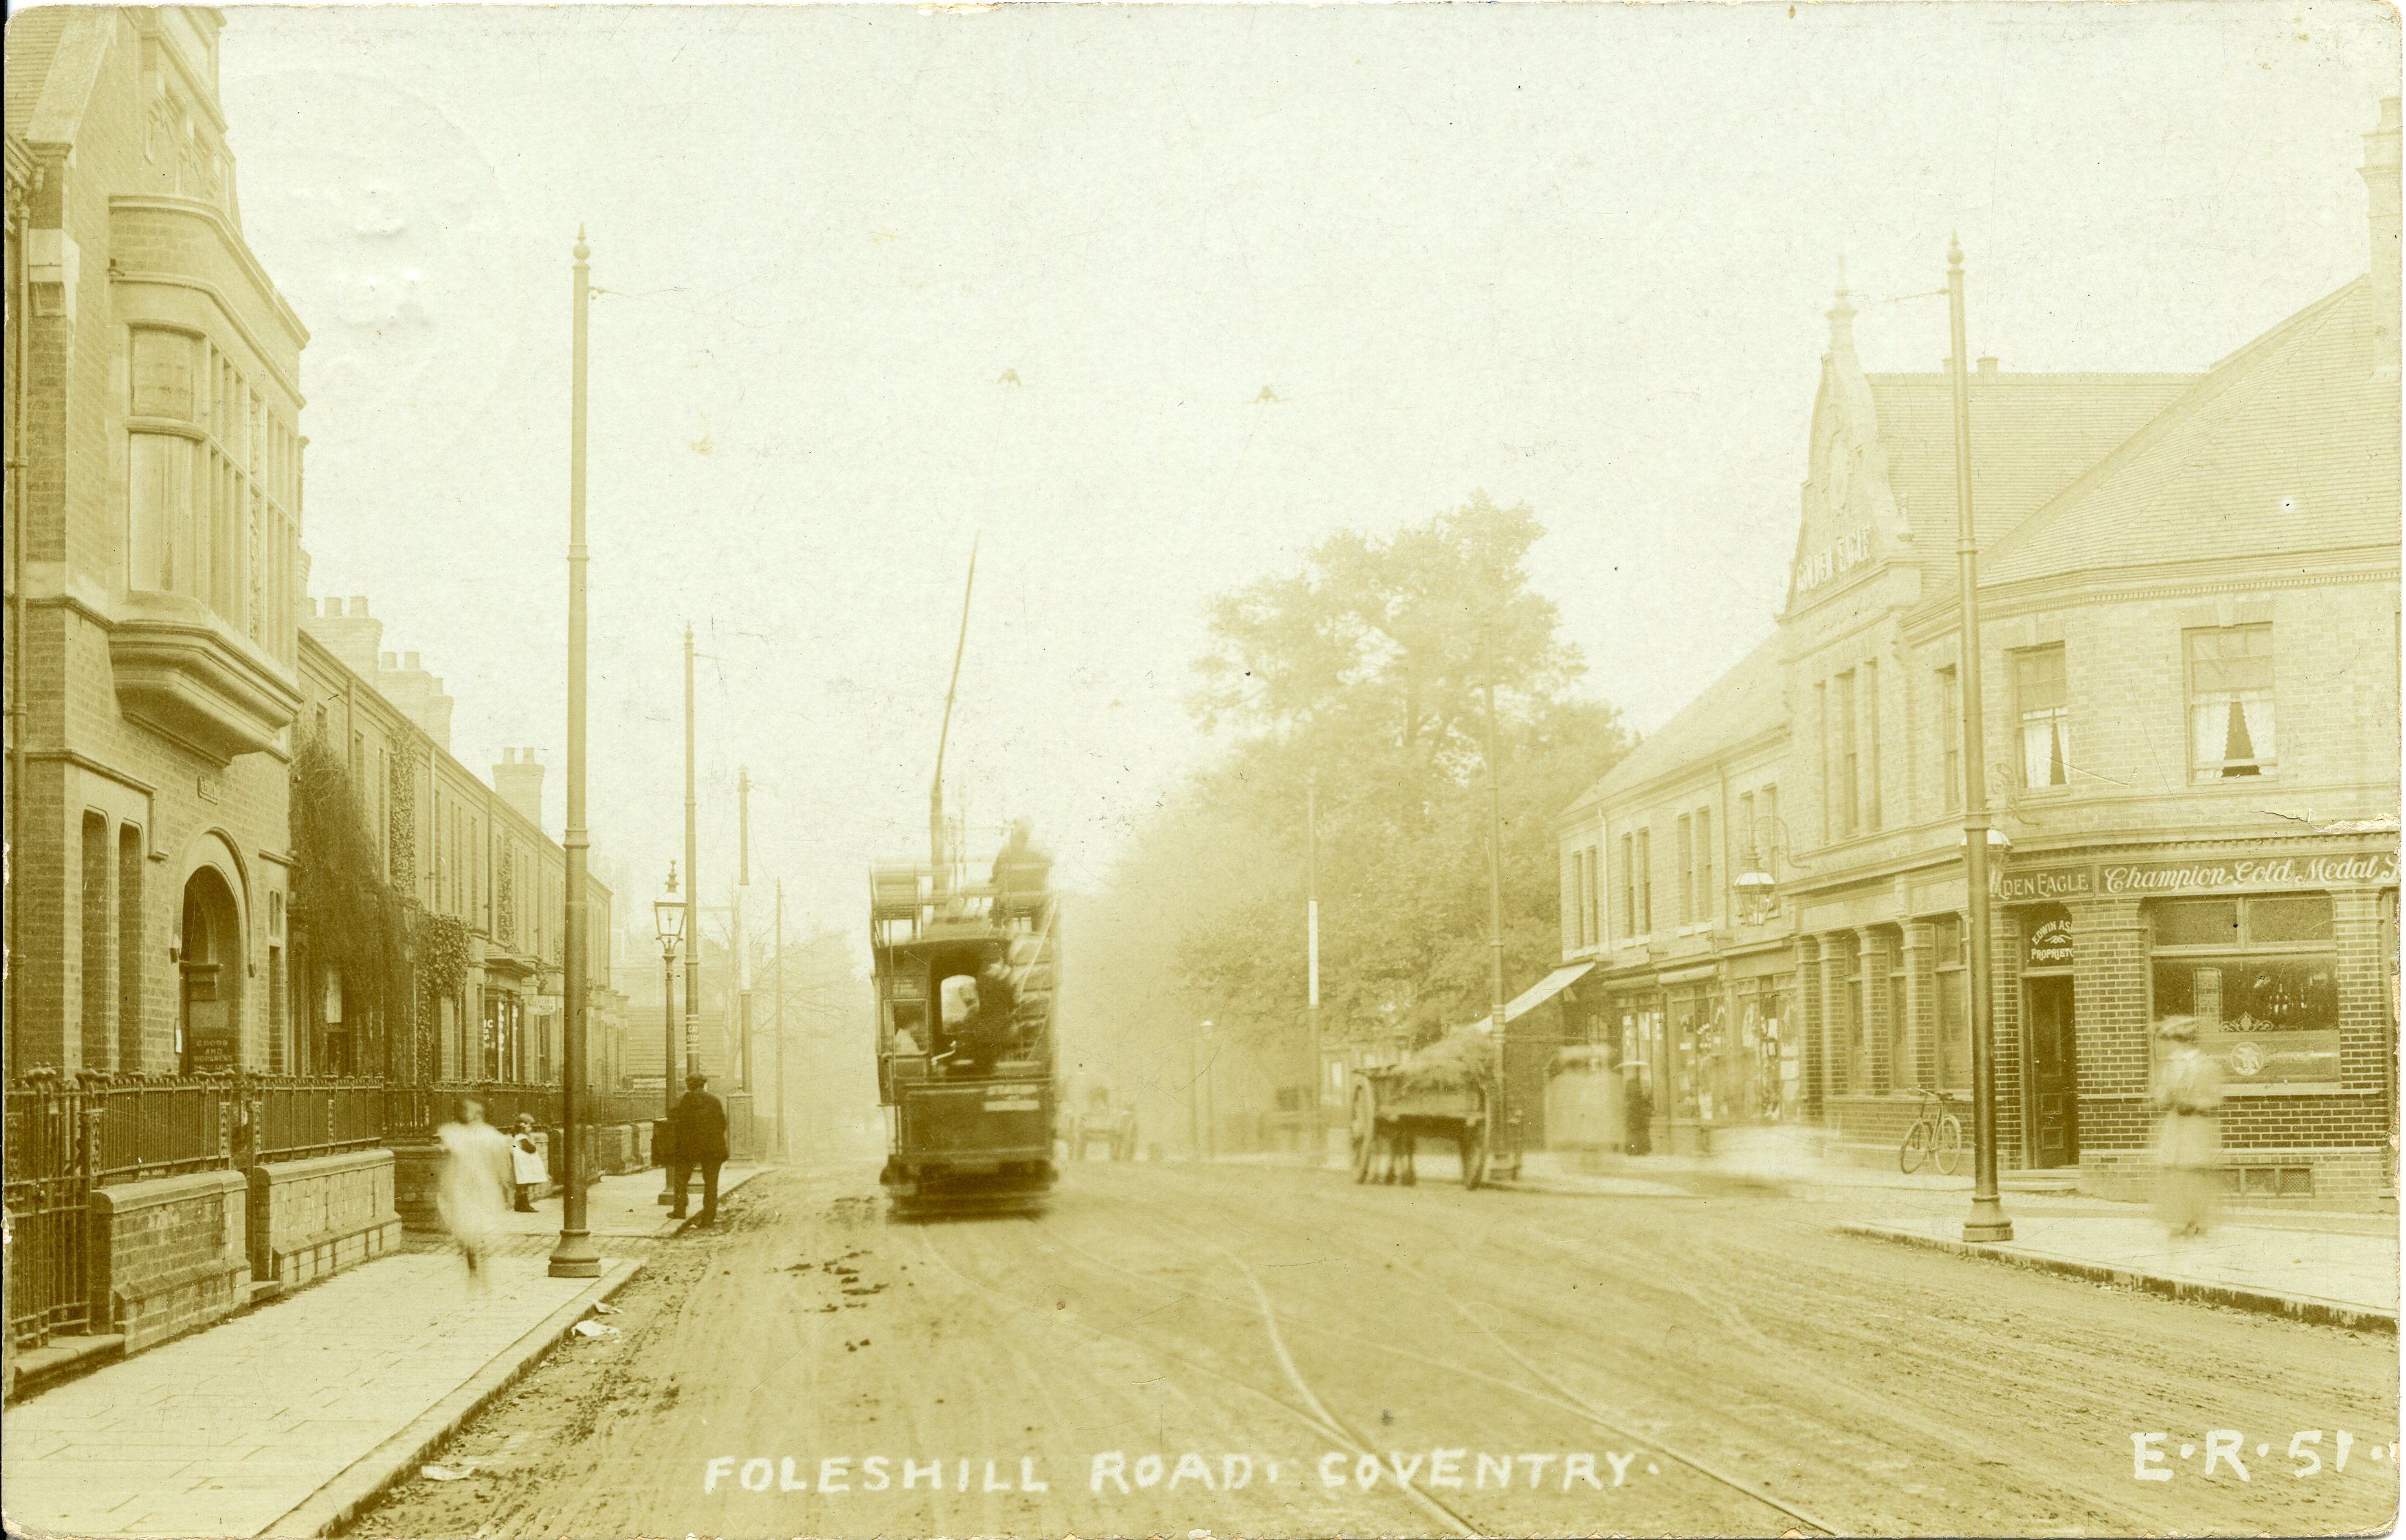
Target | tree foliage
(1361,677)
(348,917)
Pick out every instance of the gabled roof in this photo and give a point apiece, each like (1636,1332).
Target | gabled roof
(2032,436)
(54,56)
(1748,699)
(2288,444)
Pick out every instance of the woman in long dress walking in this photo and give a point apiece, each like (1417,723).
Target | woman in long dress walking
(2188,1141)
(476,1186)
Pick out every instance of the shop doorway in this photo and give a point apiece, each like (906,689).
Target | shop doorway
(2054,1078)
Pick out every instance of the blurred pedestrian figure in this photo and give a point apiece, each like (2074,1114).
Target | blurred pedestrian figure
(1641,1112)
(700,1125)
(2188,1142)
(528,1172)
(476,1187)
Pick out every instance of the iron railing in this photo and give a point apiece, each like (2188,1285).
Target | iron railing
(299,1119)
(145,1128)
(49,1161)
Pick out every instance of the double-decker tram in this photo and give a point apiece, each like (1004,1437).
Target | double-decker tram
(965,1012)
(965,1028)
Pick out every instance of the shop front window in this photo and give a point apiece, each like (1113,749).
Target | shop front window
(2261,977)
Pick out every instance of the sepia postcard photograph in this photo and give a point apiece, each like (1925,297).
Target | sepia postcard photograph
(1025,770)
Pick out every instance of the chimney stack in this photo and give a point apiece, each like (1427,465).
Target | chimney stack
(2379,173)
(349,632)
(519,780)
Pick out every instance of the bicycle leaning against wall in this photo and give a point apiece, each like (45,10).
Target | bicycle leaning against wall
(1936,1132)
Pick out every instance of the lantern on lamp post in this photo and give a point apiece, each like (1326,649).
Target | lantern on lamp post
(668,922)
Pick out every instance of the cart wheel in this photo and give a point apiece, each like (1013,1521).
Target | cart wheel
(1472,1145)
(1362,1128)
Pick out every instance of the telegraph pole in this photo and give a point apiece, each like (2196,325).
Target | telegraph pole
(1987,1220)
(1312,959)
(743,941)
(1496,1117)
(575,1255)
(784,1147)
(692,884)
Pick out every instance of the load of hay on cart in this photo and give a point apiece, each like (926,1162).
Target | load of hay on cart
(1446,1090)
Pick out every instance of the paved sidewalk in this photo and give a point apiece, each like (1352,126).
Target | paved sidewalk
(287,1419)
(2342,1278)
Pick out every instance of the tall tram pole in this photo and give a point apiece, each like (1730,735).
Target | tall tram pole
(1987,1220)
(692,884)
(575,1255)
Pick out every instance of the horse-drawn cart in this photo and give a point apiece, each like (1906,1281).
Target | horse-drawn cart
(1444,1092)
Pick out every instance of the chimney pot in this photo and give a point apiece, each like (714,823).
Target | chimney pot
(384,660)
(409,661)
(358,604)
(1988,368)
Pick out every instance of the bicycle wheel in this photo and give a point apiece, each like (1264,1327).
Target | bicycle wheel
(1916,1148)
(1950,1144)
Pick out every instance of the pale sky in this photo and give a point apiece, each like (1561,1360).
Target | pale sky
(1577,256)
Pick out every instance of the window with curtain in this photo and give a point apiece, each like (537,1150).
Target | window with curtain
(1706,908)
(2043,704)
(1645,883)
(1687,867)
(2230,704)
(1870,745)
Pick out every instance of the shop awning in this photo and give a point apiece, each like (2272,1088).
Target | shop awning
(1537,994)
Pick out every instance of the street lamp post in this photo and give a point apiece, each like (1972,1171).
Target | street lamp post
(667,919)
(1987,1220)
(575,1255)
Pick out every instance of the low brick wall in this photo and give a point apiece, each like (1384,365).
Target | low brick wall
(309,1218)
(2357,1179)
(417,1166)
(169,1255)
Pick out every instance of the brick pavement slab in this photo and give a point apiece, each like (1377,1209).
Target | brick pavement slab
(309,1410)
(2342,1277)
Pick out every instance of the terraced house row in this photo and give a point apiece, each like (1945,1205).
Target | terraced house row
(217,1084)
(2189,601)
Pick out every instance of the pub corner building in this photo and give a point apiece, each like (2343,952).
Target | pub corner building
(2189,610)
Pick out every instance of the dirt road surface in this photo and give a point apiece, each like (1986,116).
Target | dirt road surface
(1254,1350)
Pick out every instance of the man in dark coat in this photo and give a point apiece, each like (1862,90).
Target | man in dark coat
(698,1127)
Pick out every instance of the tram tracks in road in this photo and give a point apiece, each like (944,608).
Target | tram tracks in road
(1556,1396)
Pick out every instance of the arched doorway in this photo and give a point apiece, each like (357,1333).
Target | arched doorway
(208,1021)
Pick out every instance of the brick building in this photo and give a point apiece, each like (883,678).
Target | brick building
(2189,601)
(474,852)
(155,466)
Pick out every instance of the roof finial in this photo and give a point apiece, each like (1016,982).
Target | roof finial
(1954,249)
(582,252)
(1842,316)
